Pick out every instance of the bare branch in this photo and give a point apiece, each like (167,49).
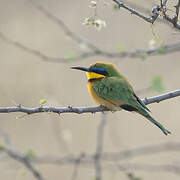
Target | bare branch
(138,7)
(174,168)
(38,53)
(76,167)
(155,12)
(174,20)
(80,110)
(177,10)
(162,97)
(88,159)
(141,151)
(132,11)
(108,159)
(141,8)
(141,53)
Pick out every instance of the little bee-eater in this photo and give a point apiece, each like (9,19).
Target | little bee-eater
(111,89)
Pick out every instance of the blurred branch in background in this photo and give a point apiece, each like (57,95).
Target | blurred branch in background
(172,168)
(76,167)
(93,50)
(140,53)
(108,160)
(99,147)
(17,156)
(80,110)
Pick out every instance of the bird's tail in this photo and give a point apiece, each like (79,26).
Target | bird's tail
(148,116)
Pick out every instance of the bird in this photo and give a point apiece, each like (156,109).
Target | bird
(110,89)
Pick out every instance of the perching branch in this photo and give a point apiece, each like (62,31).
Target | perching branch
(162,97)
(80,110)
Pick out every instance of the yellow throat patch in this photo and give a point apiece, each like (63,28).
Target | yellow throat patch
(92,75)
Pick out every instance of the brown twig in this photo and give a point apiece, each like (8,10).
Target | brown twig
(174,20)
(151,19)
(80,110)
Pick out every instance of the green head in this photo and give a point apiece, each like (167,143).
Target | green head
(99,70)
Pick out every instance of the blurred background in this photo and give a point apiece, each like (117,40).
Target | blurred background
(26,78)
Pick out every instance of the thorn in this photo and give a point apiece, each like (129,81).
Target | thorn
(146,100)
(41,107)
(70,107)
(19,105)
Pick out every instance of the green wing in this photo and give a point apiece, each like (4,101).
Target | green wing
(117,89)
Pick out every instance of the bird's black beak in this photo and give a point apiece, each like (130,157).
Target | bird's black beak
(81,68)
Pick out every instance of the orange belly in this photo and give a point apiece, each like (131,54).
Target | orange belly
(110,104)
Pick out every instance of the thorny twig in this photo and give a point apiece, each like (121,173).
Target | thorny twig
(80,110)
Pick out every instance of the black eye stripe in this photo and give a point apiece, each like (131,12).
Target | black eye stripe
(102,72)
(99,71)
